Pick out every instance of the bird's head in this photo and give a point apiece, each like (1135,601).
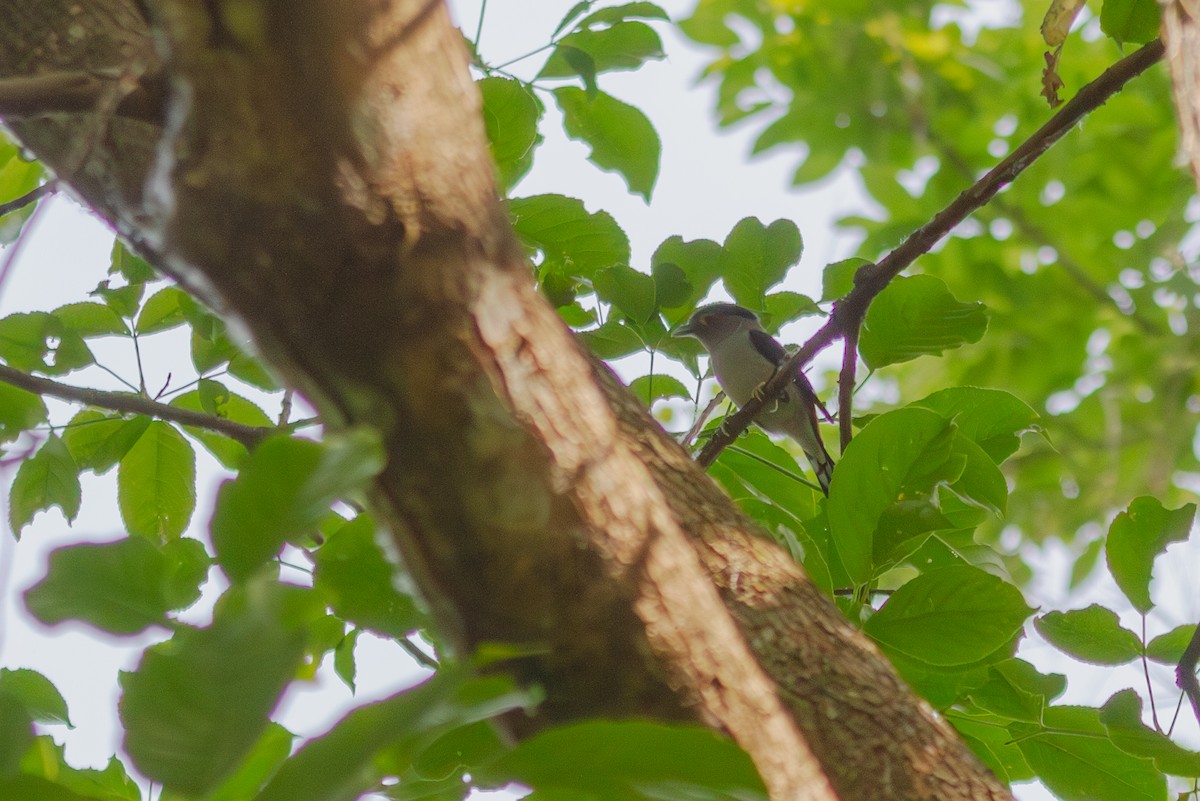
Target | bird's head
(712,324)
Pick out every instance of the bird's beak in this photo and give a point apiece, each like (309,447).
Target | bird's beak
(688,329)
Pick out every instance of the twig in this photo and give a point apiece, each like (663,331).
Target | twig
(285,408)
(416,653)
(846,387)
(871,279)
(701,419)
(29,197)
(135,404)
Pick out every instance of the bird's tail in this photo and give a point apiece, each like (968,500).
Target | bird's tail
(822,464)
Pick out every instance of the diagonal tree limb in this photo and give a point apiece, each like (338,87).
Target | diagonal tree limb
(871,279)
(846,387)
(135,404)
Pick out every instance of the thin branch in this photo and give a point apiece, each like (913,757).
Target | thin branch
(78,92)
(135,404)
(479,27)
(701,419)
(1149,684)
(29,197)
(871,279)
(422,658)
(846,387)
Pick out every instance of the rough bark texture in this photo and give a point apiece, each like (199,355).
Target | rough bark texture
(321,174)
(1181,35)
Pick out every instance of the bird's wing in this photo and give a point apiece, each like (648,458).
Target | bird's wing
(770,349)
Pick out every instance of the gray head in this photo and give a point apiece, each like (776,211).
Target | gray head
(713,323)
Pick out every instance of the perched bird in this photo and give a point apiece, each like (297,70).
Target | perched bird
(744,357)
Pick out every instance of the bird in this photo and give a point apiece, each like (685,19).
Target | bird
(744,357)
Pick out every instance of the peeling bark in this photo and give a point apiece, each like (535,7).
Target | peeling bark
(321,175)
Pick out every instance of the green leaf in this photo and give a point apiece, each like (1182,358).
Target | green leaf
(260,764)
(123,300)
(121,587)
(460,750)
(612,340)
(837,279)
(342,764)
(575,12)
(131,267)
(981,484)
(1092,635)
(1017,691)
(614,14)
(1168,648)
(1122,718)
(700,263)
(991,742)
(572,241)
(783,307)
(671,285)
(42,701)
(165,309)
(1136,21)
(283,490)
(45,762)
(198,703)
(917,316)
(48,478)
(771,471)
(756,257)
(1136,537)
(19,411)
(623,46)
(622,139)
(344,663)
(91,320)
(213,397)
(39,342)
(951,616)
(23,786)
(253,371)
(658,386)
(98,441)
(511,113)
(16,735)
(630,759)
(627,289)
(1075,759)
(359,582)
(991,418)
(900,455)
(156,483)
(709,25)
(19,175)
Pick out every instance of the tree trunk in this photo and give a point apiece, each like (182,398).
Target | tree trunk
(319,172)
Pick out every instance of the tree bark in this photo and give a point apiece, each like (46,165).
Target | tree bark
(1181,35)
(319,173)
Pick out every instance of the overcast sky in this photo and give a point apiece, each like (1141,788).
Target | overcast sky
(705,186)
